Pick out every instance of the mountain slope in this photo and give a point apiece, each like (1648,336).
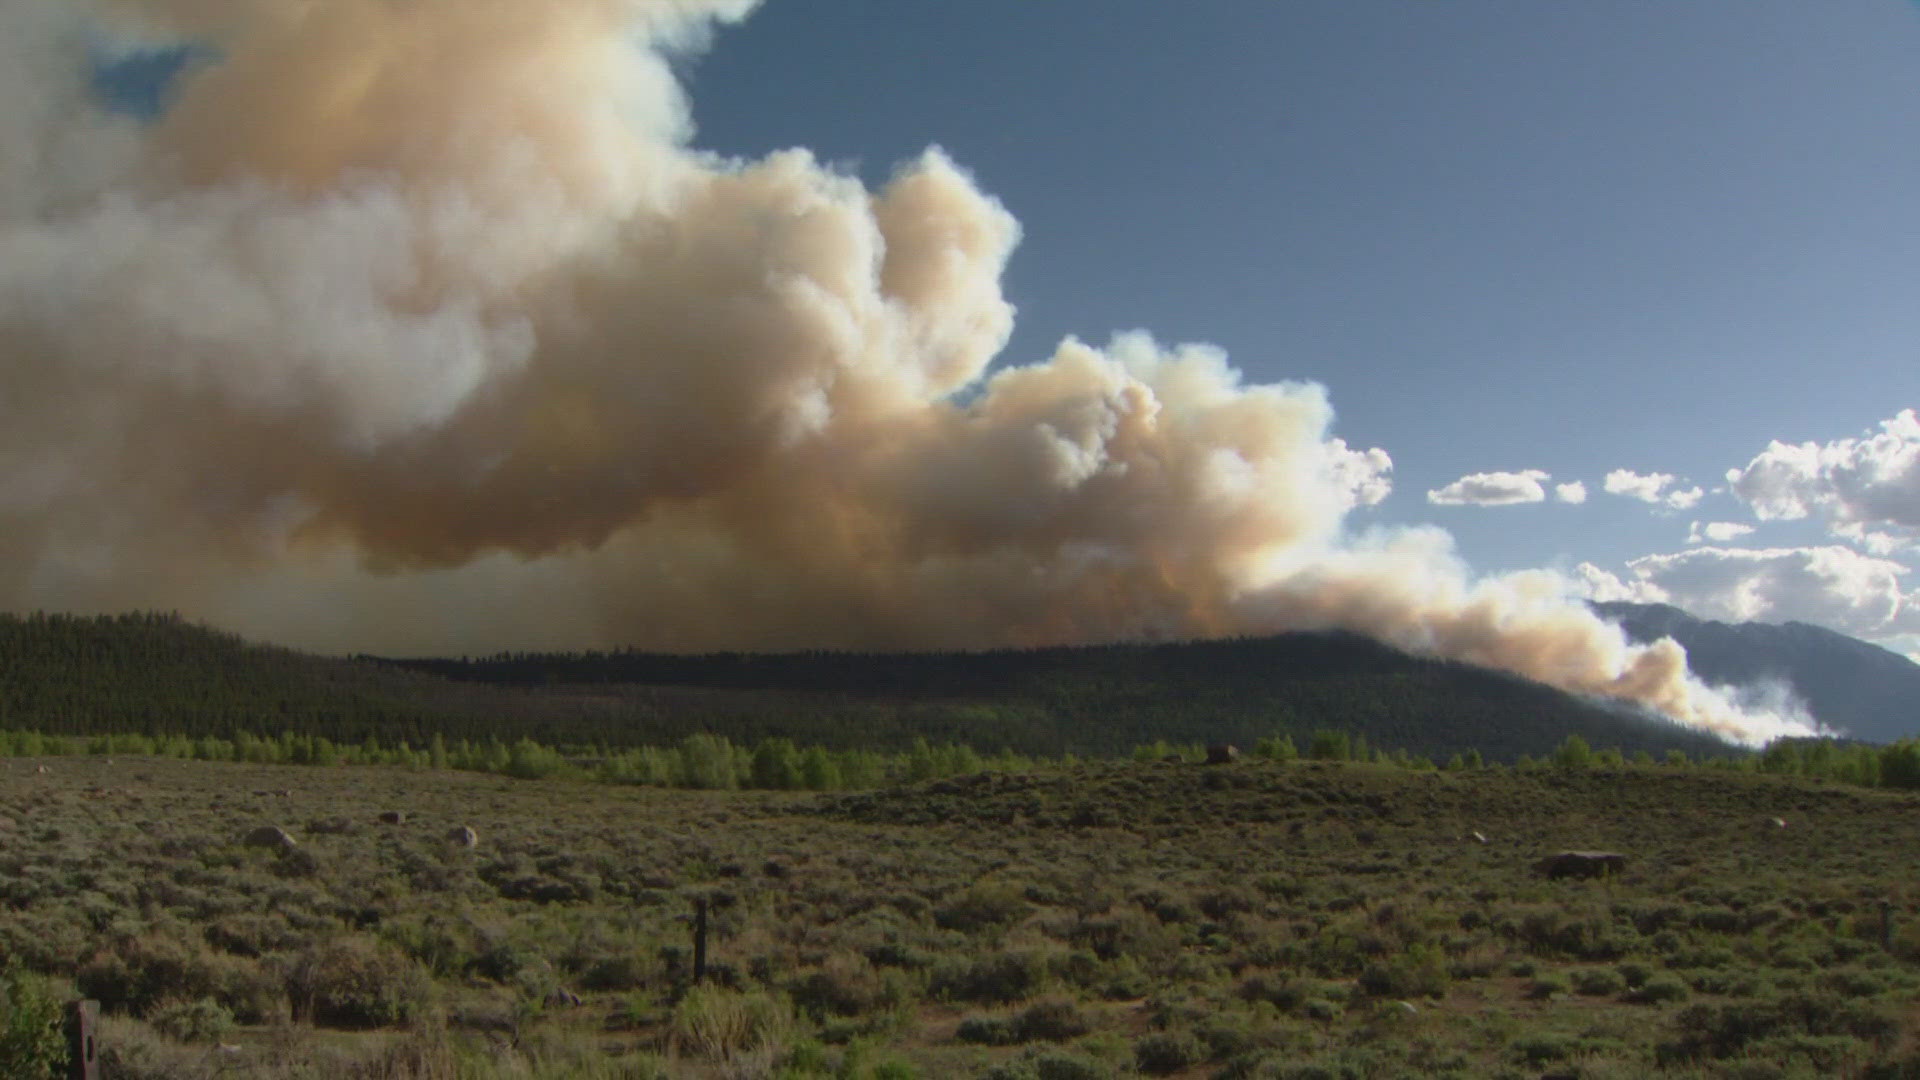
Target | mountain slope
(1105,699)
(1861,689)
(161,675)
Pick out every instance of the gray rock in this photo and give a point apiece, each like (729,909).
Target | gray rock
(463,836)
(1581,864)
(272,836)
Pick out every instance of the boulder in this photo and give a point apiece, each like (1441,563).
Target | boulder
(1222,754)
(272,836)
(463,836)
(393,817)
(1581,864)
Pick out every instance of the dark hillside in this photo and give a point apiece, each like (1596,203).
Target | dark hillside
(157,674)
(1104,699)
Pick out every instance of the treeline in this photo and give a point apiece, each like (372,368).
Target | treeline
(714,762)
(700,761)
(161,676)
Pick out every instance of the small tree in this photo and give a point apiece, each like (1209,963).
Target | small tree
(1330,746)
(1574,754)
(776,765)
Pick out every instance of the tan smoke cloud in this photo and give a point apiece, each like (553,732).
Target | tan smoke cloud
(420,327)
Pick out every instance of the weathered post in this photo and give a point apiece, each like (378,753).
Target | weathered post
(83,1020)
(1886,925)
(700,939)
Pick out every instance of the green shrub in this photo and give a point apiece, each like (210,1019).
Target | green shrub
(996,978)
(1165,1052)
(1713,1031)
(1054,1019)
(1421,971)
(200,1020)
(982,906)
(1598,982)
(724,1025)
(355,983)
(1051,1065)
(847,985)
(1549,984)
(987,1031)
(1538,1050)
(1284,992)
(32,1045)
(1659,989)
(137,973)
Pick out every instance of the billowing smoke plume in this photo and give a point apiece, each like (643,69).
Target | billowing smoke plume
(420,327)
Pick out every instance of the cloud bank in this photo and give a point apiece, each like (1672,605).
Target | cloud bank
(1867,489)
(1832,586)
(424,328)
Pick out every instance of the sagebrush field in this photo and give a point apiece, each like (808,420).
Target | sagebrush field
(1259,919)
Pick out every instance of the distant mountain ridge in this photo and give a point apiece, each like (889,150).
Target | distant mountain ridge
(1854,686)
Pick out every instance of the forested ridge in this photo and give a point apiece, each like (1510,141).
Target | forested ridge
(159,674)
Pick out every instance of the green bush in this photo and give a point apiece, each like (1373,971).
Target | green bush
(1051,1065)
(354,983)
(1549,984)
(722,1025)
(847,985)
(1166,1052)
(1659,990)
(31,1043)
(1598,982)
(980,907)
(987,1031)
(1421,971)
(996,978)
(1054,1019)
(139,972)
(200,1020)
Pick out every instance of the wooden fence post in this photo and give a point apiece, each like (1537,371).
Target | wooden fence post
(83,1022)
(700,939)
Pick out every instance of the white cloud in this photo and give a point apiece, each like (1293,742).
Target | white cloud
(1362,473)
(1652,488)
(1575,492)
(1493,489)
(1718,532)
(1830,586)
(1684,500)
(1605,586)
(1868,489)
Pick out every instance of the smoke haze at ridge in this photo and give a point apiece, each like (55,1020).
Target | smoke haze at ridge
(424,328)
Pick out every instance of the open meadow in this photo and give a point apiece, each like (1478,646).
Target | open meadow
(1258,919)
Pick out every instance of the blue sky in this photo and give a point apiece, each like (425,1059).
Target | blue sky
(1570,237)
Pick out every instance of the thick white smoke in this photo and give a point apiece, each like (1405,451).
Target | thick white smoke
(421,327)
